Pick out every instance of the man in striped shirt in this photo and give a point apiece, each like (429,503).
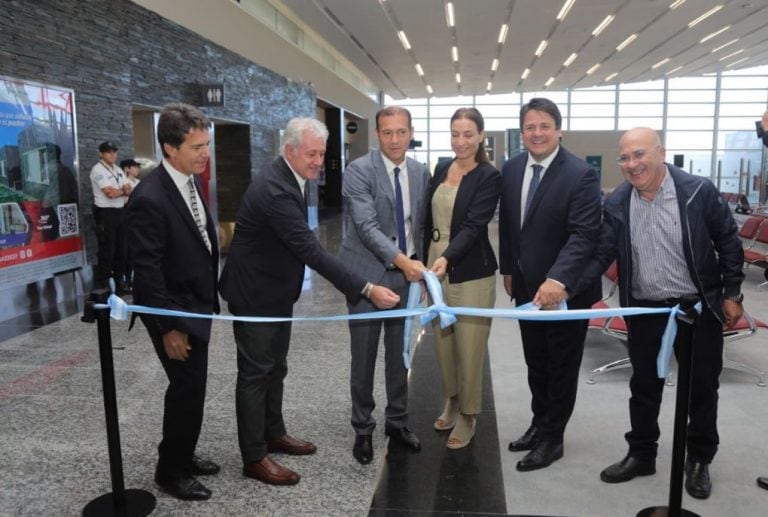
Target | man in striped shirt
(673,237)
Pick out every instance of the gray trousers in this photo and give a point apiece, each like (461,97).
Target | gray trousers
(364,349)
(262,350)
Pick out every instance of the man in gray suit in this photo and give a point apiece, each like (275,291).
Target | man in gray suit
(384,212)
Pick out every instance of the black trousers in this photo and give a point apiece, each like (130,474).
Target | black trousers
(184,403)
(646,388)
(112,251)
(553,352)
(262,364)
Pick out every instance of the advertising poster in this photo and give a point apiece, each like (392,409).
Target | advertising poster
(39,221)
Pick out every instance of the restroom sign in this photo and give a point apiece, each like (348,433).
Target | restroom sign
(213,95)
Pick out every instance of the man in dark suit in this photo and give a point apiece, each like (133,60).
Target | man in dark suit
(549,220)
(384,213)
(262,277)
(174,251)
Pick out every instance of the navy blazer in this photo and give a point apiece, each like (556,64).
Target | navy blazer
(172,268)
(469,252)
(264,270)
(559,233)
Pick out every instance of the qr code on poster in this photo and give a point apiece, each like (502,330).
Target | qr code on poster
(68,224)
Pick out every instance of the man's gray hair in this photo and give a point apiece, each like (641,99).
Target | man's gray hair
(297,128)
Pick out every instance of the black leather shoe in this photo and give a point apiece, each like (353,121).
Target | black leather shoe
(404,436)
(363,449)
(201,467)
(184,487)
(627,469)
(697,482)
(528,441)
(541,456)
(762,482)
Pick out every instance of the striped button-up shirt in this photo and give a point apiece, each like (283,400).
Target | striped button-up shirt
(659,270)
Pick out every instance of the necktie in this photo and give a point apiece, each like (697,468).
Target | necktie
(196,214)
(533,186)
(306,193)
(400,213)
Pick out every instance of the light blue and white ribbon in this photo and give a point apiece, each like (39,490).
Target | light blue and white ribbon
(119,310)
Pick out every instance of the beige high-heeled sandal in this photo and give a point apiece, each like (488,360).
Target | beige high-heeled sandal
(463,433)
(447,419)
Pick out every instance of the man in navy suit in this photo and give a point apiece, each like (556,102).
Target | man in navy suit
(263,277)
(174,252)
(549,220)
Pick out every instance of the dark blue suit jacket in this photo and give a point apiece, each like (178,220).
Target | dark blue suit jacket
(172,267)
(559,233)
(264,270)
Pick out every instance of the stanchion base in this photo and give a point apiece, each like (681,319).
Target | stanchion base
(661,511)
(138,503)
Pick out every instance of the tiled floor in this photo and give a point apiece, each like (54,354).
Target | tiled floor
(53,440)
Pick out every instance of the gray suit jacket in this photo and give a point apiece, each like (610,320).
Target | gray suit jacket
(370,230)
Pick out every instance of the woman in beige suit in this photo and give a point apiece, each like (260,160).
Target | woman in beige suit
(463,195)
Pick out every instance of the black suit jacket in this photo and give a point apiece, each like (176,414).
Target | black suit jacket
(469,253)
(272,243)
(172,267)
(560,230)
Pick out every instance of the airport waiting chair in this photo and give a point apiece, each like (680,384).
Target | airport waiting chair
(613,326)
(756,253)
(746,327)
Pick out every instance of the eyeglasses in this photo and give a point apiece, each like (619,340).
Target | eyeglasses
(636,155)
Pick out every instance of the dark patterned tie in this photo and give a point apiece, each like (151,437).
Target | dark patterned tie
(400,213)
(533,186)
(196,213)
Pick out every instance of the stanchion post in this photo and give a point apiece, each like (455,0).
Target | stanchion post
(685,355)
(119,502)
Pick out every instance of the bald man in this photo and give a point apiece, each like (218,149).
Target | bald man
(674,238)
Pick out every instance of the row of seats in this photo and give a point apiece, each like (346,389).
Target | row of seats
(616,327)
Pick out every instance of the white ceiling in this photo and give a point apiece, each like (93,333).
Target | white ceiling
(365,31)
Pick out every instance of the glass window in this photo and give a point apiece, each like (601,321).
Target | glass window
(738,140)
(630,122)
(693,83)
(444,111)
(440,140)
(674,123)
(559,98)
(696,162)
(641,110)
(647,85)
(653,96)
(594,96)
(690,110)
(504,98)
(760,96)
(420,125)
(689,139)
(416,110)
(465,100)
(729,83)
(496,111)
(738,123)
(691,96)
(500,124)
(592,110)
(755,110)
(591,124)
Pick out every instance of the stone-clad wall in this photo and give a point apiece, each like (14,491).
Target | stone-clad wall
(114,53)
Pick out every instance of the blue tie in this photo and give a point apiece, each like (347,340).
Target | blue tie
(533,186)
(400,213)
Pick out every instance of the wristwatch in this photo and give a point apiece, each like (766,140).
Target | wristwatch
(739,298)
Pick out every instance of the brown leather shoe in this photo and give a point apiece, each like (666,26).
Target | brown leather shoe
(271,472)
(290,445)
